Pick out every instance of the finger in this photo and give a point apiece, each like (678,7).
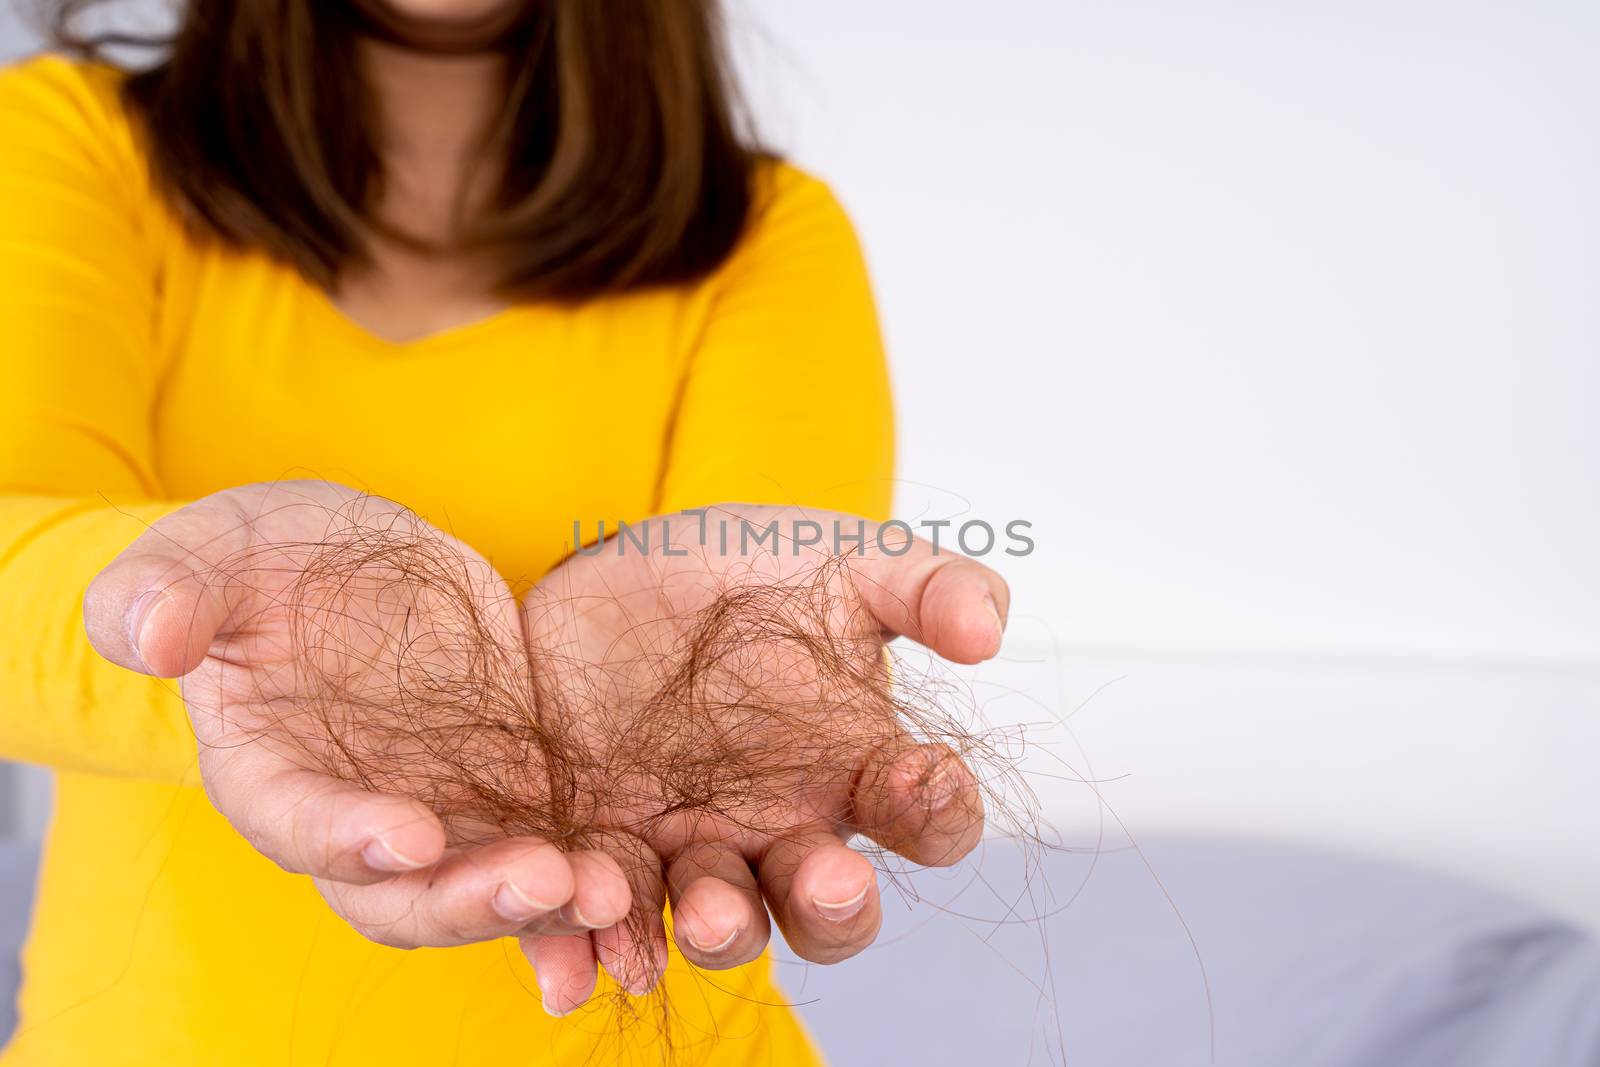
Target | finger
(152,610)
(954,605)
(823,894)
(565,967)
(560,947)
(919,800)
(601,897)
(718,917)
(312,823)
(472,895)
(634,951)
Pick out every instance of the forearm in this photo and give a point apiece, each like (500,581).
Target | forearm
(64,705)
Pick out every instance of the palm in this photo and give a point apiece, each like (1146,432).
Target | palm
(724,689)
(733,712)
(355,633)
(336,654)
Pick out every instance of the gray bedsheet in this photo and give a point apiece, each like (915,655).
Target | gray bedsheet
(1311,960)
(17,863)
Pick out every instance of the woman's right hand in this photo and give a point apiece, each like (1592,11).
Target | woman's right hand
(212,593)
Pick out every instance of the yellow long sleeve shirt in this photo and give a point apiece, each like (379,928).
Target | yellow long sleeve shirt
(142,366)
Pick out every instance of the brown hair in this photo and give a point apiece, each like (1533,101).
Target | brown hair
(625,166)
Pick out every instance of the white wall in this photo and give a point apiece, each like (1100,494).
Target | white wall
(1278,319)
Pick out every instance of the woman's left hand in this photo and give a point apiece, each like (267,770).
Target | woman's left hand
(609,628)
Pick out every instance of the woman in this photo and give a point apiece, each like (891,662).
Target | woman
(506,262)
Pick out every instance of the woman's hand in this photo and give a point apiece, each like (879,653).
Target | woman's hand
(281,666)
(374,709)
(769,762)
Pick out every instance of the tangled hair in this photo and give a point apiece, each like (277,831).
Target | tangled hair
(409,679)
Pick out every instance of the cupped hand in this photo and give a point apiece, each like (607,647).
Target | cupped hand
(297,620)
(733,700)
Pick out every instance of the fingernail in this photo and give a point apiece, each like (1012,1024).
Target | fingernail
(724,943)
(546,1000)
(942,786)
(994,611)
(570,914)
(138,614)
(647,981)
(512,904)
(841,910)
(380,855)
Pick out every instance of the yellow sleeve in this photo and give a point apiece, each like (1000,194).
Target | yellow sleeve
(78,376)
(786,400)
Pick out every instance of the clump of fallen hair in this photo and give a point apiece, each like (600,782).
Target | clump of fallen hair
(417,677)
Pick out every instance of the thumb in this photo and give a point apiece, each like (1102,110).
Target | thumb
(952,604)
(156,608)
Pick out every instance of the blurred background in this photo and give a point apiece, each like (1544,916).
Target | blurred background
(1278,323)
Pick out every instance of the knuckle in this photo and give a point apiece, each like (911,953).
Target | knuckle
(458,921)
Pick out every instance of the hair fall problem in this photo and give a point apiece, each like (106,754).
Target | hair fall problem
(719,723)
